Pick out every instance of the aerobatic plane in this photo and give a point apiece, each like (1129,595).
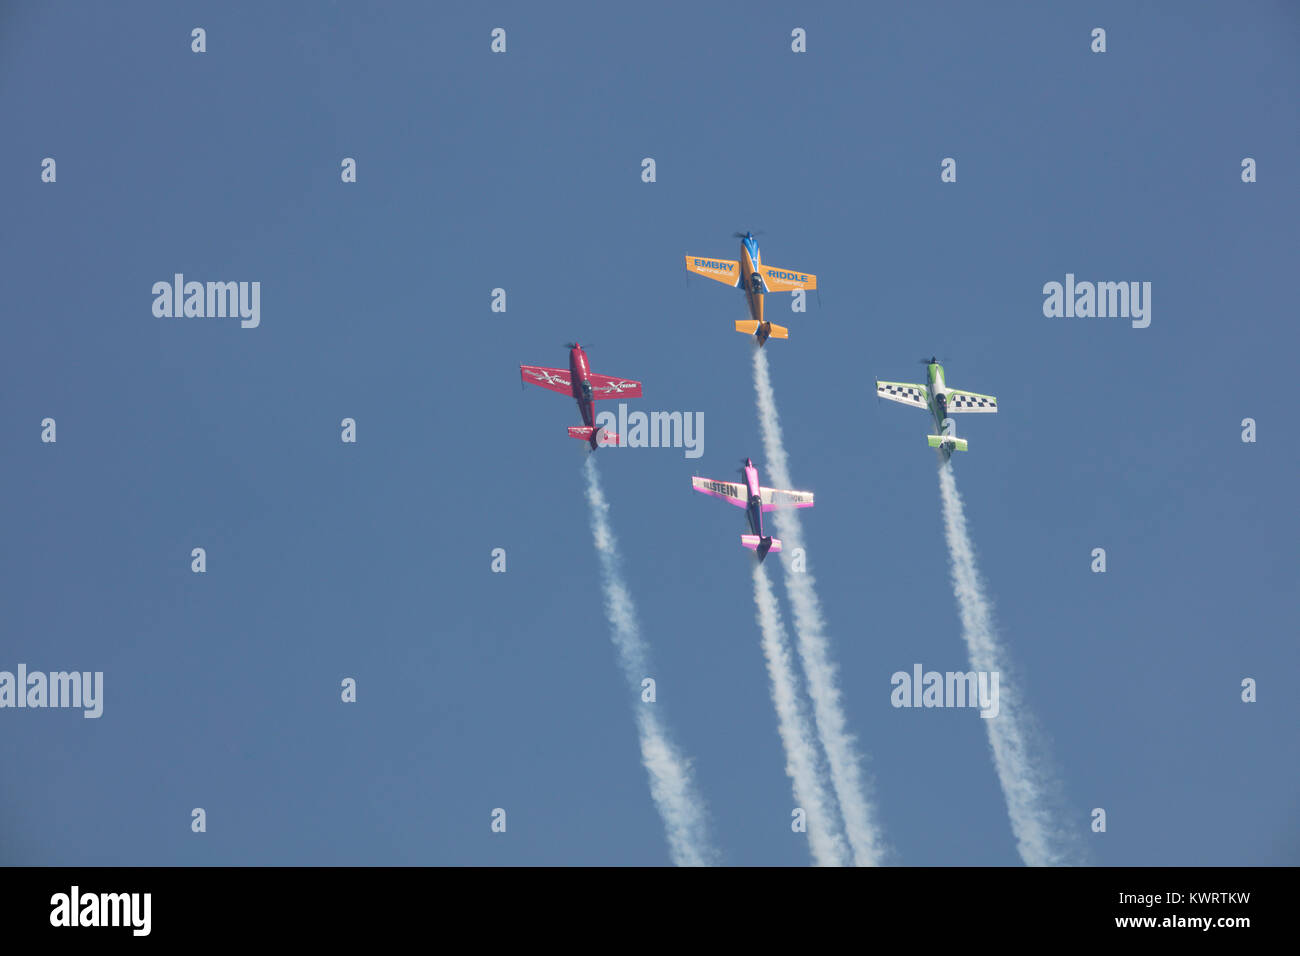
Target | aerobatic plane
(757,280)
(941,400)
(755,499)
(586,387)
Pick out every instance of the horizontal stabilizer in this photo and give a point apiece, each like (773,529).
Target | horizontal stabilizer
(955,444)
(778,332)
(584,433)
(747,326)
(754,542)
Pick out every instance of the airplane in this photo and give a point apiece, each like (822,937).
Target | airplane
(586,387)
(940,400)
(755,499)
(757,280)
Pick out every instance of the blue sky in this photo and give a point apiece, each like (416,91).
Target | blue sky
(522,171)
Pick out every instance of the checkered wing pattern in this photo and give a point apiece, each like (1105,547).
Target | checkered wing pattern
(903,392)
(959,401)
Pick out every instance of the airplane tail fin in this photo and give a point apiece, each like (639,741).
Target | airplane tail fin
(760,545)
(952,444)
(601,436)
(763,330)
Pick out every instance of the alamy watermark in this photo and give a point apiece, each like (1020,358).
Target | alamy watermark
(75,908)
(82,689)
(656,429)
(1102,300)
(210,300)
(922,688)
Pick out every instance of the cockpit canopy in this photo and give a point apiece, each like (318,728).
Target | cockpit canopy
(756,283)
(586,390)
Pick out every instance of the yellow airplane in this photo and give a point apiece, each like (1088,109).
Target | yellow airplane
(757,280)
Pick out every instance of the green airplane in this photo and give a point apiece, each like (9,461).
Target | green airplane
(941,401)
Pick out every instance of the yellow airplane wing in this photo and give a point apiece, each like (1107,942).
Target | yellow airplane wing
(719,270)
(783,280)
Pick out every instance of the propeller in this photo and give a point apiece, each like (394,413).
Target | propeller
(931,361)
(746,235)
(572,345)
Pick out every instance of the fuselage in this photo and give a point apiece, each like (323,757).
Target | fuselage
(938,400)
(754,510)
(579,375)
(938,395)
(750,260)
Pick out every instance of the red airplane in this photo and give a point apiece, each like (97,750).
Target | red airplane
(586,387)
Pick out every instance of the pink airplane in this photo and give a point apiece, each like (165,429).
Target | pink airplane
(755,499)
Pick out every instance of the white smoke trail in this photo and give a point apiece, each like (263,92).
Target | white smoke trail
(671,787)
(797,738)
(1027,783)
(814,650)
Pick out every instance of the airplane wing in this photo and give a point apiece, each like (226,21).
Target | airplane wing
(607,386)
(783,280)
(731,491)
(959,401)
(556,379)
(903,393)
(726,271)
(774,498)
